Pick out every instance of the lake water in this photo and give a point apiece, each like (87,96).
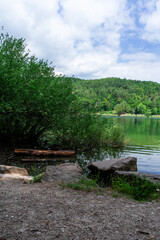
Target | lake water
(144,137)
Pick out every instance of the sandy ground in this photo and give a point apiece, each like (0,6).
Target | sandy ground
(46,211)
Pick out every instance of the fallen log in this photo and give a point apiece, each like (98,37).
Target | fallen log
(59,159)
(35,152)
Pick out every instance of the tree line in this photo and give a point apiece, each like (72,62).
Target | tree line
(120,95)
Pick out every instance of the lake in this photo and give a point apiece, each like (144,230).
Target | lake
(144,137)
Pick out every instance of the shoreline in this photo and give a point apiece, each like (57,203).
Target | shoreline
(129,116)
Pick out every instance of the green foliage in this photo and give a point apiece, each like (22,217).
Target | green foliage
(38,108)
(139,189)
(118,109)
(155,111)
(90,133)
(141,108)
(123,107)
(77,131)
(84,184)
(115,136)
(88,182)
(105,94)
(148,113)
(32,97)
(37,178)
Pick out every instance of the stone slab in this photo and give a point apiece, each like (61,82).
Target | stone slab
(66,172)
(125,164)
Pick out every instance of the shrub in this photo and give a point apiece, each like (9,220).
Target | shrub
(115,136)
(139,189)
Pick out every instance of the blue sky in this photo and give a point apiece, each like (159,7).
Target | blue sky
(90,38)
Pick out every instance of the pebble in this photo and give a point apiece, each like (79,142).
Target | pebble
(62,230)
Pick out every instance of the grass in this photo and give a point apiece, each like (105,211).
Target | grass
(138,189)
(85,184)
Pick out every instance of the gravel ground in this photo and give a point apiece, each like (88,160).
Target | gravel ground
(46,211)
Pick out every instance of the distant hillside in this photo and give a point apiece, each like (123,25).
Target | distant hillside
(111,93)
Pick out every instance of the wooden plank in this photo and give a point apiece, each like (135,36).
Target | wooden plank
(36,152)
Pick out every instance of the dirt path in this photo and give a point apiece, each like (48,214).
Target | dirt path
(46,211)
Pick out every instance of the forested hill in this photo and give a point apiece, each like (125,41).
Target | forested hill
(122,95)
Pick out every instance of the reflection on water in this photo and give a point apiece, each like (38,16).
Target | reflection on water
(144,136)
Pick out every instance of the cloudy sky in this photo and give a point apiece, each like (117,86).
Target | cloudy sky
(90,38)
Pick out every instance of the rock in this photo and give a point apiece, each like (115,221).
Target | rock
(125,164)
(71,167)
(66,172)
(106,168)
(16,177)
(155,178)
(11,172)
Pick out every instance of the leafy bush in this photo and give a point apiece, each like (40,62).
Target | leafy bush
(139,189)
(115,136)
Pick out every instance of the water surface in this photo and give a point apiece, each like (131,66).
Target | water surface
(144,137)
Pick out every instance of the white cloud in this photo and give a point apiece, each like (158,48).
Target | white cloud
(140,56)
(92,12)
(139,66)
(82,38)
(138,70)
(151,20)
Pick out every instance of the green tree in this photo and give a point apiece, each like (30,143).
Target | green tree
(121,108)
(118,109)
(32,98)
(155,111)
(116,90)
(141,108)
(148,113)
(38,107)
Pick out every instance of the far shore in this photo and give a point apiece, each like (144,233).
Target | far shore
(127,115)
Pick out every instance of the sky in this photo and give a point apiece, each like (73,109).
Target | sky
(89,39)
